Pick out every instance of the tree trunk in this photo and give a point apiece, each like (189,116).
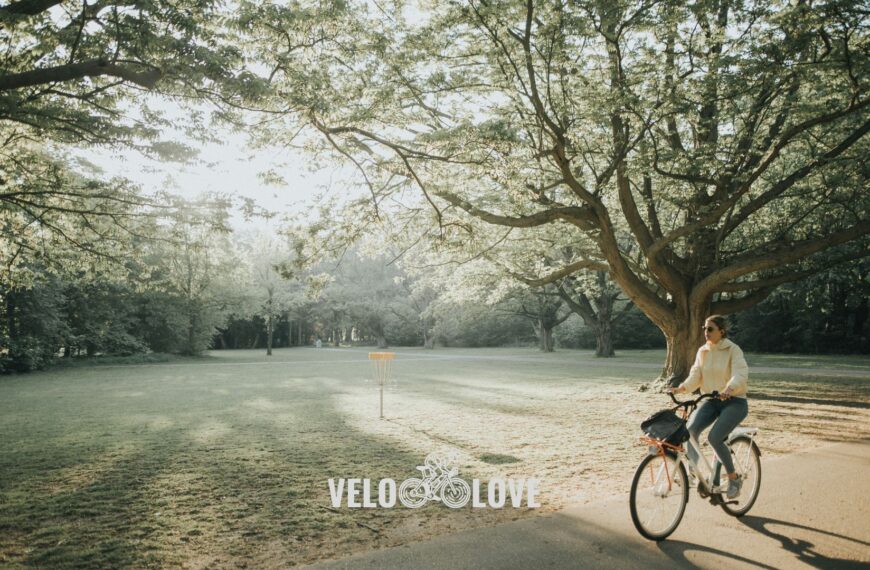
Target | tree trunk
(299,336)
(604,329)
(256,341)
(270,333)
(604,339)
(191,333)
(428,340)
(382,338)
(336,338)
(683,341)
(12,325)
(428,337)
(861,314)
(545,337)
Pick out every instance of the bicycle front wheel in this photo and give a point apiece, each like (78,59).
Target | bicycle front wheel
(747,462)
(659,493)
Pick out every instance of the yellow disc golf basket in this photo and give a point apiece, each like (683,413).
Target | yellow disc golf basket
(382,372)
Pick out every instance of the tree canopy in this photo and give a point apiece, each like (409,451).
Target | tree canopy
(98,74)
(724,141)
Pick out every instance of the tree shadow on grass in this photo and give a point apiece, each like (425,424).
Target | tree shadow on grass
(180,490)
(95,523)
(281,475)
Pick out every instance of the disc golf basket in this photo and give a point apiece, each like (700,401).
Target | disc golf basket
(382,372)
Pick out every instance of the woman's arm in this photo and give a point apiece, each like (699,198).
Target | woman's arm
(693,380)
(739,381)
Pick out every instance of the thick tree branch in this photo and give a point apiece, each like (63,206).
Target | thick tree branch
(580,216)
(789,135)
(731,306)
(783,254)
(582,307)
(777,189)
(559,274)
(27,7)
(89,68)
(789,276)
(715,214)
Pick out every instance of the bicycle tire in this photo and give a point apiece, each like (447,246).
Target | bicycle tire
(455,494)
(652,467)
(752,482)
(412,493)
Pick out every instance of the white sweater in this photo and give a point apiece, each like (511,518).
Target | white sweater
(717,367)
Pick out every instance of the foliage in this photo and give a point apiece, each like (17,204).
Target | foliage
(196,264)
(827,313)
(726,139)
(80,75)
(474,325)
(101,317)
(33,326)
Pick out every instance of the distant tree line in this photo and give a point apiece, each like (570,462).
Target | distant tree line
(366,302)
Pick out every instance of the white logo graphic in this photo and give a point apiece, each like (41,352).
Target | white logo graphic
(440,483)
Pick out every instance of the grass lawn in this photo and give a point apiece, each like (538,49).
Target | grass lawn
(223,461)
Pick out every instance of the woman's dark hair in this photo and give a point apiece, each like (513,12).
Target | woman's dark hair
(720,323)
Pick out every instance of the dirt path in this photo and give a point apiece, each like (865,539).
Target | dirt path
(812,513)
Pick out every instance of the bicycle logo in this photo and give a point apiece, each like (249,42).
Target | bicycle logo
(439,483)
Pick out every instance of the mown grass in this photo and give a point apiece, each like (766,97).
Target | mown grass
(222,461)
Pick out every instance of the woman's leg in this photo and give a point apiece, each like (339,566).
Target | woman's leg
(734,411)
(704,416)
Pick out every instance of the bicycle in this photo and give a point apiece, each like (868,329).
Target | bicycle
(660,488)
(439,483)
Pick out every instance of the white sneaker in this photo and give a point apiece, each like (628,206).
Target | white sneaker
(734,486)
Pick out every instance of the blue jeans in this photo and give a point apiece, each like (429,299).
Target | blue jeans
(729,413)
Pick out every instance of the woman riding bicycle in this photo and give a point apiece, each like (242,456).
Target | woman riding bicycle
(719,366)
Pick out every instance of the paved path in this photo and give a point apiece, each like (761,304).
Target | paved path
(813,512)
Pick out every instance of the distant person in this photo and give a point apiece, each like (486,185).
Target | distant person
(318,343)
(719,366)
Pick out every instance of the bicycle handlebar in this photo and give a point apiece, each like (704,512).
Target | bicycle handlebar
(692,403)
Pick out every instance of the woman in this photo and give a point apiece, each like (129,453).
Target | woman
(719,366)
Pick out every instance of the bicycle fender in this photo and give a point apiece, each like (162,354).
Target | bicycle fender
(750,436)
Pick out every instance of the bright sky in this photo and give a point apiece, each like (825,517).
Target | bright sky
(230,168)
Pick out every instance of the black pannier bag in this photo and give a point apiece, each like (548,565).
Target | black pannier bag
(666,425)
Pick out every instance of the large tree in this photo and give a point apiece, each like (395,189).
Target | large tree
(727,138)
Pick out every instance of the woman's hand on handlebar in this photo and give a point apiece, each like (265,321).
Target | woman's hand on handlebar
(675,390)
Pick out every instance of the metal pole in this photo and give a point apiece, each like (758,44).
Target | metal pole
(381,381)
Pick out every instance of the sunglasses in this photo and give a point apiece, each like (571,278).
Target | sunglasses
(709,329)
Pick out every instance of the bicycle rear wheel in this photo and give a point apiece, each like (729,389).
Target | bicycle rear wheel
(659,493)
(747,462)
